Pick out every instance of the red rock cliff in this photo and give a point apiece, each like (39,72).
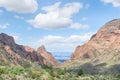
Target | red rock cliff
(15,54)
(48,58)
(104,43)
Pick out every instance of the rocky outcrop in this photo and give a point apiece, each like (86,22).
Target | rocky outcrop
(48,58)
(15,54)
(7,39)
(32,55)
(104,45)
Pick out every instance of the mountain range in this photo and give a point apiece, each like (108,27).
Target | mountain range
(17,54)
(99,55)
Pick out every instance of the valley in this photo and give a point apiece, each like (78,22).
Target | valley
(98,59)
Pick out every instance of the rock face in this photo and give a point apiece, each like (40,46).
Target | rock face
(48,58)
(15,54)
(7,39)
(104,45)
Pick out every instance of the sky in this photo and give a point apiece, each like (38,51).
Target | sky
(59,25)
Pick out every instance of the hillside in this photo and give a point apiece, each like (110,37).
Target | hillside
(106,40)
(98,59)
(101,52)
(17,54)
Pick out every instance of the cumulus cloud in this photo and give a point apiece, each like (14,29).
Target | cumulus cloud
(16,37)
(61,43)
(79,26)
(56,16)
(4,26)
(84,19)
(29,28)
(18,17)
(19,6)
(115,3)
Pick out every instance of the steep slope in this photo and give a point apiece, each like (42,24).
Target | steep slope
(48,58)
(16,54)
(101,54)
(105,43)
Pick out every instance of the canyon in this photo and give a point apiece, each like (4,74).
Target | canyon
(101,51)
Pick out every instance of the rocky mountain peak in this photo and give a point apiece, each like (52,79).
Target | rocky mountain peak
(41,48)
(106,40)
(111,27)
(48,58)
(8,46)
(6,38)
(28,49)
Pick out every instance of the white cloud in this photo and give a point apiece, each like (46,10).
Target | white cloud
(19,6)
(53,7)
(56,16)
(84,19)
(4,26)
(115,3)
(79,26)
(29,28)
(18,17)
(63,44)
(16,37)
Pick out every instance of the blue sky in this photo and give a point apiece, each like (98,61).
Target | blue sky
(60,25)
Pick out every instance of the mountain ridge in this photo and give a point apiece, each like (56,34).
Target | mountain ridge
(104,39)
(102,50)
(13,50)
(101,53)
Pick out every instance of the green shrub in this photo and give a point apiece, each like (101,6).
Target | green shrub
(26,64)
(54,74)
(60,71)
(17,70)
(1,78)
(46,76)
(47,67)
(2,70)
(3,63)
(80,72)
(35,74)
(13,79)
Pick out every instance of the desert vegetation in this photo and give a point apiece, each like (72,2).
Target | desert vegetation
(33,71)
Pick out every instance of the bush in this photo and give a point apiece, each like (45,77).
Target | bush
(17,70)
(61,71)
(1,78)
(54,74)
(26,64)
(3,63)
(35,74)
(80,72)
(2,70)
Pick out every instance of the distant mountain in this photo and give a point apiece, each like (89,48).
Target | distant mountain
(17,54)
(61,60)
(62,55)
(103,49)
